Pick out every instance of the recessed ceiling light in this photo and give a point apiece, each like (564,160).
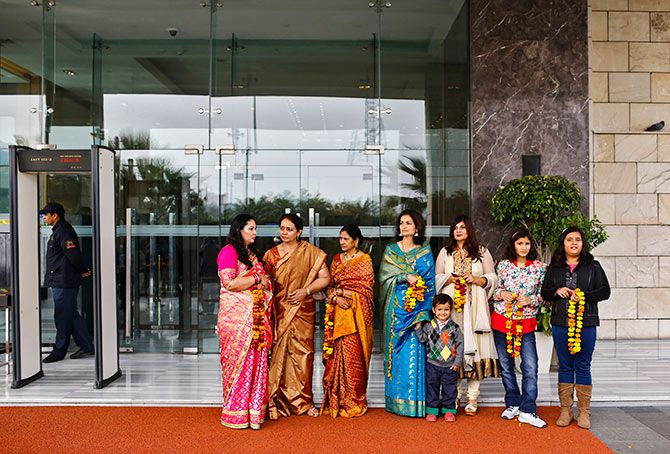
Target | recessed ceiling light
(69,72)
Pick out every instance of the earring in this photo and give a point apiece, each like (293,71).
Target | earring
(416,233)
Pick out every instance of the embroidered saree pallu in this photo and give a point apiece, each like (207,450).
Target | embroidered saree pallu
(346,370)
(405,356)
(480,357)
(244,333)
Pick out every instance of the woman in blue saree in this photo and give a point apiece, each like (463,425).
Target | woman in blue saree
(407,262)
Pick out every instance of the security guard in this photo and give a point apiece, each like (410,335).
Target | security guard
(65,269)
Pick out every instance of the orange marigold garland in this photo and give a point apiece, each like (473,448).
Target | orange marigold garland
(576,322)
(414,293)
(460,294)
(258,332)
(328,328)
(514,331)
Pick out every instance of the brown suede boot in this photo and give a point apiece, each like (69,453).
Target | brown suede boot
(584,406)
(566,397)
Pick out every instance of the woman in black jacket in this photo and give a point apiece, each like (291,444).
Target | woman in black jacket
(574,284)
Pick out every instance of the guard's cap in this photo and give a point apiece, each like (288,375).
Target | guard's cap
(54,208)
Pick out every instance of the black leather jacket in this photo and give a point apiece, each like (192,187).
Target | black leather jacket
(589,277)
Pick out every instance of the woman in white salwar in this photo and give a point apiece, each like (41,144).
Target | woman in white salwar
(465,271)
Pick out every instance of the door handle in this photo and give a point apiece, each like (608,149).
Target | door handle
(129,264)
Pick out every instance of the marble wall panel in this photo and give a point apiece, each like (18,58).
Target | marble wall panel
(650,57)
(629,87)
(653,302)
(627,26)
(622,303)
(653,177)
(603,147)
(636,209)
(664,211)
(660,26)
(609,5)
(654,240)
(635,147)
(529,96)
(660,87)
(636,272)
(648,5)
(664,147)
(664,329)
(636,329)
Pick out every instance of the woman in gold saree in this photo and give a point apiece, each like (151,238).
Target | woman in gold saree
(348,340)
(298,270)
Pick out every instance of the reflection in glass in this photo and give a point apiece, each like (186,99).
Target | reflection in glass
(296,92)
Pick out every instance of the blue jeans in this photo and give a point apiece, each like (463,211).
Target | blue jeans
(69,322)
(526,398)
(574,368)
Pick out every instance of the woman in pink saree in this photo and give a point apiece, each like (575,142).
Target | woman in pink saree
(243,327)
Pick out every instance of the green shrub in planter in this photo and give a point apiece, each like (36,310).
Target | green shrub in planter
(545,205)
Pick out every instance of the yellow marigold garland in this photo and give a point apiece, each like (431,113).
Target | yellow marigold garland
(414,293)
(514,331)
(576,322)
(258,331)
(328,328)
(460,294)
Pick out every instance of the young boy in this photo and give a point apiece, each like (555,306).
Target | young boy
(444,356)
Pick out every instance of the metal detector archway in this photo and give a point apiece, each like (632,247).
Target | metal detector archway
(24,166)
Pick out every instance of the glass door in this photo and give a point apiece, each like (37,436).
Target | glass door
(155,90)
(159,200)
(222,184)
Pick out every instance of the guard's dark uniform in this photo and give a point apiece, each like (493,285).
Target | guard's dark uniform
(64,267)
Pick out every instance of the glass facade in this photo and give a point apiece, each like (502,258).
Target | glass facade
(342,112)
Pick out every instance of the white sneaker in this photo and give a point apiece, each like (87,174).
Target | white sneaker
(532,419)
(510,412)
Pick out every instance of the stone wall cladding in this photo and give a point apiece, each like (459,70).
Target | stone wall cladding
(629,87)
(529,80)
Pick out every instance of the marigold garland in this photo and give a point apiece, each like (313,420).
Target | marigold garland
(328,328)
(576,322)
(514,327)
(460,294)
(414,293)
(258,332)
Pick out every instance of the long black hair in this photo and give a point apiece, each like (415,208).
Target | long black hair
(419,224)
(471,245)
(510,251)
(559,258)
(235,238)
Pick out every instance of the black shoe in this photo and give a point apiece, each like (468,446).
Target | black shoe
(81,354)
(52,358)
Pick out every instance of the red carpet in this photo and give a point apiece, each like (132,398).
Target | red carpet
(197,430)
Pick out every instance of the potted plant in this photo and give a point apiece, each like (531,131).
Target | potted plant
(545,205)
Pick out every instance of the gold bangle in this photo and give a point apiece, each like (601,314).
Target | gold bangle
(308,292)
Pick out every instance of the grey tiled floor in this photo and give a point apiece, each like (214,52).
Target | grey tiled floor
(633,429)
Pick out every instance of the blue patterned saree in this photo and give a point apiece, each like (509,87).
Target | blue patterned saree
(405,356)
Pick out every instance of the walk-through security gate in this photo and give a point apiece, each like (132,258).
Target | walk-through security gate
(25,164)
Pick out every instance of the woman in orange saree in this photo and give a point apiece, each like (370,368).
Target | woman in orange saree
(348,328)
(298,270)
(243,327)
